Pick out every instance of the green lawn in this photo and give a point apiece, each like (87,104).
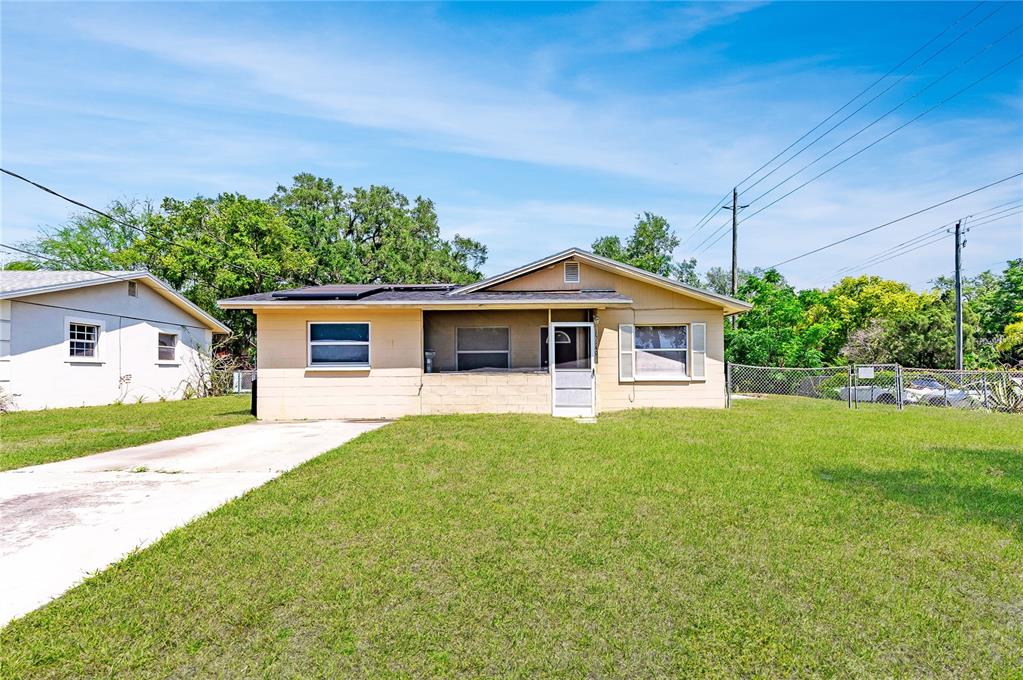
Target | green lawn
(34,437)
(781,538)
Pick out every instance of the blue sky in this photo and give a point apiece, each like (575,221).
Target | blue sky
(533,127)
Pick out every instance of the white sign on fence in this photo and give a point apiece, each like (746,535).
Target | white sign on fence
(866,372)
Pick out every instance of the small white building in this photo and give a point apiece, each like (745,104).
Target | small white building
(82,338)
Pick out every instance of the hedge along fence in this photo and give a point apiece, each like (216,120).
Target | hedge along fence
(889,384)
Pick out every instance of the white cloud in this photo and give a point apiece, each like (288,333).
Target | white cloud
(673,145)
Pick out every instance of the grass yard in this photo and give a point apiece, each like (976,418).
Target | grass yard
(781,538)
(35,437)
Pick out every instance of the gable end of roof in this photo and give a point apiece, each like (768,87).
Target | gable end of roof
(729,304)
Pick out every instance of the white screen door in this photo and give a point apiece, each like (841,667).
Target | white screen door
(573,378)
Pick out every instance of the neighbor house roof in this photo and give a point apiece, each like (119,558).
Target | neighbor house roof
(19,284)
(453,296)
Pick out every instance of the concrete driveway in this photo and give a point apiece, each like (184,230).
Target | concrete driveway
(61,521)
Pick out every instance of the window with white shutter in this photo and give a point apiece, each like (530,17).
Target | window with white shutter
(626,352)
(699,349)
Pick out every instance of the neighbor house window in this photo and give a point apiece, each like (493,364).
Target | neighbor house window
(133,289)
(82,339)
(166,345)
(661,351)
(339,344)
(477,348)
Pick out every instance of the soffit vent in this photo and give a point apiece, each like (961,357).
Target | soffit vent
(571,272)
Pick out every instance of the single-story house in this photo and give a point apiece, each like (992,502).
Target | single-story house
(83,338)
(573,334)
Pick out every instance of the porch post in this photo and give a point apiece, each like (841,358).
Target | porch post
(550,339)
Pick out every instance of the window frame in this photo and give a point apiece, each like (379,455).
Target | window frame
(645,377)
(506,352)
(177,338)
(578,273)
(96,357)
(344,365)
(544,348)
(133,289)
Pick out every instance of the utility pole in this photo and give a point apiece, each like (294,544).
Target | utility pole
(959,295)
(735,241)
(735,208)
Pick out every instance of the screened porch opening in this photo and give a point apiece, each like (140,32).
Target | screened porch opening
(498,341)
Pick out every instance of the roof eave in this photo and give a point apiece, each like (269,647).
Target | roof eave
(436,305)
(71,285)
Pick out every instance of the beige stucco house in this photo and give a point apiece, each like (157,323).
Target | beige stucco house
(573,334)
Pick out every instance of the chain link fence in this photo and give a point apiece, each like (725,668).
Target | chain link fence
(884,384)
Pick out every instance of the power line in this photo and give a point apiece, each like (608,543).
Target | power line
(710,213)
(996,219)
(896,220)
(936,238)
(872,144)
(877,141)
(885,115)
(92,271)
(122,223)
(870,260)
(706,218)
(884,91)
(59,261)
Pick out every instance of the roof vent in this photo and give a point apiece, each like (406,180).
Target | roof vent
(571,272)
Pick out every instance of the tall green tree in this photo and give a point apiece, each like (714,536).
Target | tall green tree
(91,241)
(719,279)
(374,235)
(775,332)
(651,246)
(311,232)
(213,248)
(852,304)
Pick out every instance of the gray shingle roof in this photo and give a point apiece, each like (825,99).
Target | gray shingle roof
(16,281)
(19,284)
(434,294)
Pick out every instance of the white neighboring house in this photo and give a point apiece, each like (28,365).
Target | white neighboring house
(81,338)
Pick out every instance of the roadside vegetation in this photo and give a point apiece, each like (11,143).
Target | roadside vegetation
(36,437)
(781,538)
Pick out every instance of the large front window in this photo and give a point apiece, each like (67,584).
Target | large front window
(661,351)
(339,344)
(477,348)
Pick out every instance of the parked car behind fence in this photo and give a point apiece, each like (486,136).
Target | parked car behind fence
(887,384)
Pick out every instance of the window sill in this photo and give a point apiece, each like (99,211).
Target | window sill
(96,362)
(168,363)
(650,378)
(336,369)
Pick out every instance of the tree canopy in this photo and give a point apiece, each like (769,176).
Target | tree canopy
(311,232)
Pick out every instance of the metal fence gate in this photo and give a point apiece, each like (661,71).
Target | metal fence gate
(876,384)
(888,385)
